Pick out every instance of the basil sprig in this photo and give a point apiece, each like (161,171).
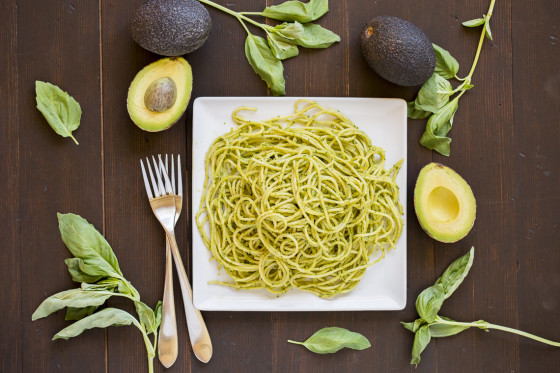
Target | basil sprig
(330,340)
(61,111)
(434,98)
(431,325)
(282,41)
(96,267)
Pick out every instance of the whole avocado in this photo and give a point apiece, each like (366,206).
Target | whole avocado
(398,51)
(171,27)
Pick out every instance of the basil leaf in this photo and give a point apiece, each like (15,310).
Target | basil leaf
(330,340)
(414,326)
(434,94)
(421,340)
(146,316)
(158,313)
(414,113)
(76,298)
(315,36)
(456,273)
(487,30)
(288,30)
(282,48)
(445,330)
(474,22)
(105,285)
(79,271)
(59,109)
(265,64)
(86,243)
(437,128)
(429,302)
(101,319)
(73,313)
(297,11)
(446,65)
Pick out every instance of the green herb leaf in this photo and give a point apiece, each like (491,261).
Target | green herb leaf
(421,340)
(330,340)
(315,36)
(158,313)
(297,11)
(414,326)
(437,128)
(282,48)
(446,65)
(109,284)
(414,113)
(445,330)
(288,30)
(81,272)
(265,64)
(59,109)
(429,302)
(456,273)
(434,94)
(101,319)
(79,313)
(474,22)
(487,30)
(76,298)
(146,316)
(86,243)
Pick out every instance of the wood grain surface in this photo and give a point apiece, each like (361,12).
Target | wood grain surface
(505,144)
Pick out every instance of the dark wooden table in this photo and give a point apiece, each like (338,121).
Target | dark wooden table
(506,138)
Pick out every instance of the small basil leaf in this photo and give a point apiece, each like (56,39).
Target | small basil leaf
(76,268)
(414,326)
(86,243)
(265,64)
(437,128)
(330,340)
(79,313)
(288,30)
(282,48)
(146,316)
(456,273)
(76,298)
(101,319)
(487,30)
(109,284)
(445,330)
(297,11)
(429,302)
(315,36)
(158,313)
(421,340)
(434,94)
(414,113)
(59,109)
(474,22)
(446,65)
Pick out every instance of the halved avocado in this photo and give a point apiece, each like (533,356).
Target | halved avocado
(159,94)
(444,203)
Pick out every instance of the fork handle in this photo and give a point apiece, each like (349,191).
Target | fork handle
(198,333)
(168,339)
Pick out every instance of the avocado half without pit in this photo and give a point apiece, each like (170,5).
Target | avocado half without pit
(159,94)
(444,203)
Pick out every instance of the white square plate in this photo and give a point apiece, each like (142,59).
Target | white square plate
(383,286)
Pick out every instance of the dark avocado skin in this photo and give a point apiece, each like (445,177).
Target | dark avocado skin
(398,51)
(171,27)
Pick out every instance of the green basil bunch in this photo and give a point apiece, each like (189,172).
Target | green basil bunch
(96,267)
(434,98)
(431,325)
(282,41)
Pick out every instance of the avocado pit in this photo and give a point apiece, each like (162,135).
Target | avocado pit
(161,95)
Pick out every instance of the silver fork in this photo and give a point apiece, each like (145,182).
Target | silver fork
(163,203)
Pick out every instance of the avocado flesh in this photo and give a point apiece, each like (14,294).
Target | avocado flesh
(444,203)
(179,71)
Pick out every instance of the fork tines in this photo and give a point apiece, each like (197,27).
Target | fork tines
(161,184)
